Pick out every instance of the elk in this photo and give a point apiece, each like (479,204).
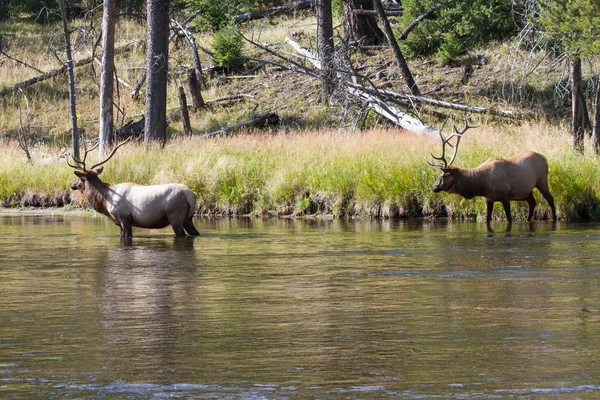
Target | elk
(497,179)
(129,204)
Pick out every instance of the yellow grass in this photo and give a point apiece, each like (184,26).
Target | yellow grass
(380,173)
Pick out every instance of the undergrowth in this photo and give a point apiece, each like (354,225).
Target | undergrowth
(342,174)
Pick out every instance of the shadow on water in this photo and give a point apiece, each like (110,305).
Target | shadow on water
(285,308)
(529,226)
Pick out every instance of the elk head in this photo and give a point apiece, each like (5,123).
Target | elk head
(85,174)
(445,182)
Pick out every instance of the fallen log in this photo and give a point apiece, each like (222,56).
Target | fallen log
(63,69)
(133,129)
(437,103)
(374,102)
(274,11)
(390,112)
(373,13)
(262,121)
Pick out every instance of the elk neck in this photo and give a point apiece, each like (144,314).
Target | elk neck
(96,193)
(469,182)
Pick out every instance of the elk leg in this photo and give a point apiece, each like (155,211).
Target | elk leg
(178,229)
(546,193)
(506,205)
(189,227)
(490,209)
(531,202)
(126,229)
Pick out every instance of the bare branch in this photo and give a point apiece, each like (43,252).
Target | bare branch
(413,25)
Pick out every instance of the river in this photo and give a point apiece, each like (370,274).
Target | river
(285,308)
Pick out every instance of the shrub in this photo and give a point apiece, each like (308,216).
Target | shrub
(469,22)
(227,46)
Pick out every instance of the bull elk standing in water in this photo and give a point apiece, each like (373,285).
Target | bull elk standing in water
(497,179)
(128,204)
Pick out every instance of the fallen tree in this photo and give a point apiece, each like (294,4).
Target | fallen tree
(290,7)
(438,103)
(262,121)
(374,102)
(64,69)
(378,100)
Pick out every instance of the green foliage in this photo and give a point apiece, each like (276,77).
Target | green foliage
(449,49)
(457,25)
(574,24)
(227,45)
(337,7)
(216,15)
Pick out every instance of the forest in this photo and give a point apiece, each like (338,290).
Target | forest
(306,108)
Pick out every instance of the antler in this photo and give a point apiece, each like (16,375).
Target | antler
(446,141)
(81,165)
(111,154)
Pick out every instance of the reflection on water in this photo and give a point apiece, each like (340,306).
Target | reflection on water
(284,308)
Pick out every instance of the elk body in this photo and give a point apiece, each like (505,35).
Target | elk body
(129,204)
(497,179)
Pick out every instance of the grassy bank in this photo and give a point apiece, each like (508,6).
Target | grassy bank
(343,174)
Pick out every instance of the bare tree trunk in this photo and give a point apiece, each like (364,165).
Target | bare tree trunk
(107,76)
(185,115)
(142,79)
(596,126)
(389,34)
(360,30)
(71,70)
(577,112)
(157,64)
(195,90)
(325,47)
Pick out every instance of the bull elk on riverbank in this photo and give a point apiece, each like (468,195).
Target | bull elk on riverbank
(497,179)
(129,204)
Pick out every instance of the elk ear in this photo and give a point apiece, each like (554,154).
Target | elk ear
(80,174)
(99,170)
(448,170)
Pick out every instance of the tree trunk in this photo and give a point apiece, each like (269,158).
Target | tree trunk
(157,62)
(596,127)
(107,76)
(195,90)
(389,34)
(71,70)
(577,106)
(325,47)
(360,30)
(185,115)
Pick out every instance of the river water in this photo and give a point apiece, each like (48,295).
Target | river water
(298,309)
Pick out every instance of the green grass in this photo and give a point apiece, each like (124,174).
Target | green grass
(341,174)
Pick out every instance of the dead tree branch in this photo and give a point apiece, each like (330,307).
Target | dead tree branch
(62,70)
(427,15)
(269,119)
(389,34)
(375,102)
(437,103)
(274,11)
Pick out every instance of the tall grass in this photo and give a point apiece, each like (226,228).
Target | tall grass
(378,173)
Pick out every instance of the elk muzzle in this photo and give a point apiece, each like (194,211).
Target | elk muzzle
(77,185)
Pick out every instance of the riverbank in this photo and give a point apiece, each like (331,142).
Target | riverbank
(337,174)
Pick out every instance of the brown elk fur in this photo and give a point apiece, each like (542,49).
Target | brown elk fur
(129,204)
(499,179)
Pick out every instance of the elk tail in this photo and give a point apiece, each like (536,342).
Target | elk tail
(191,198)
